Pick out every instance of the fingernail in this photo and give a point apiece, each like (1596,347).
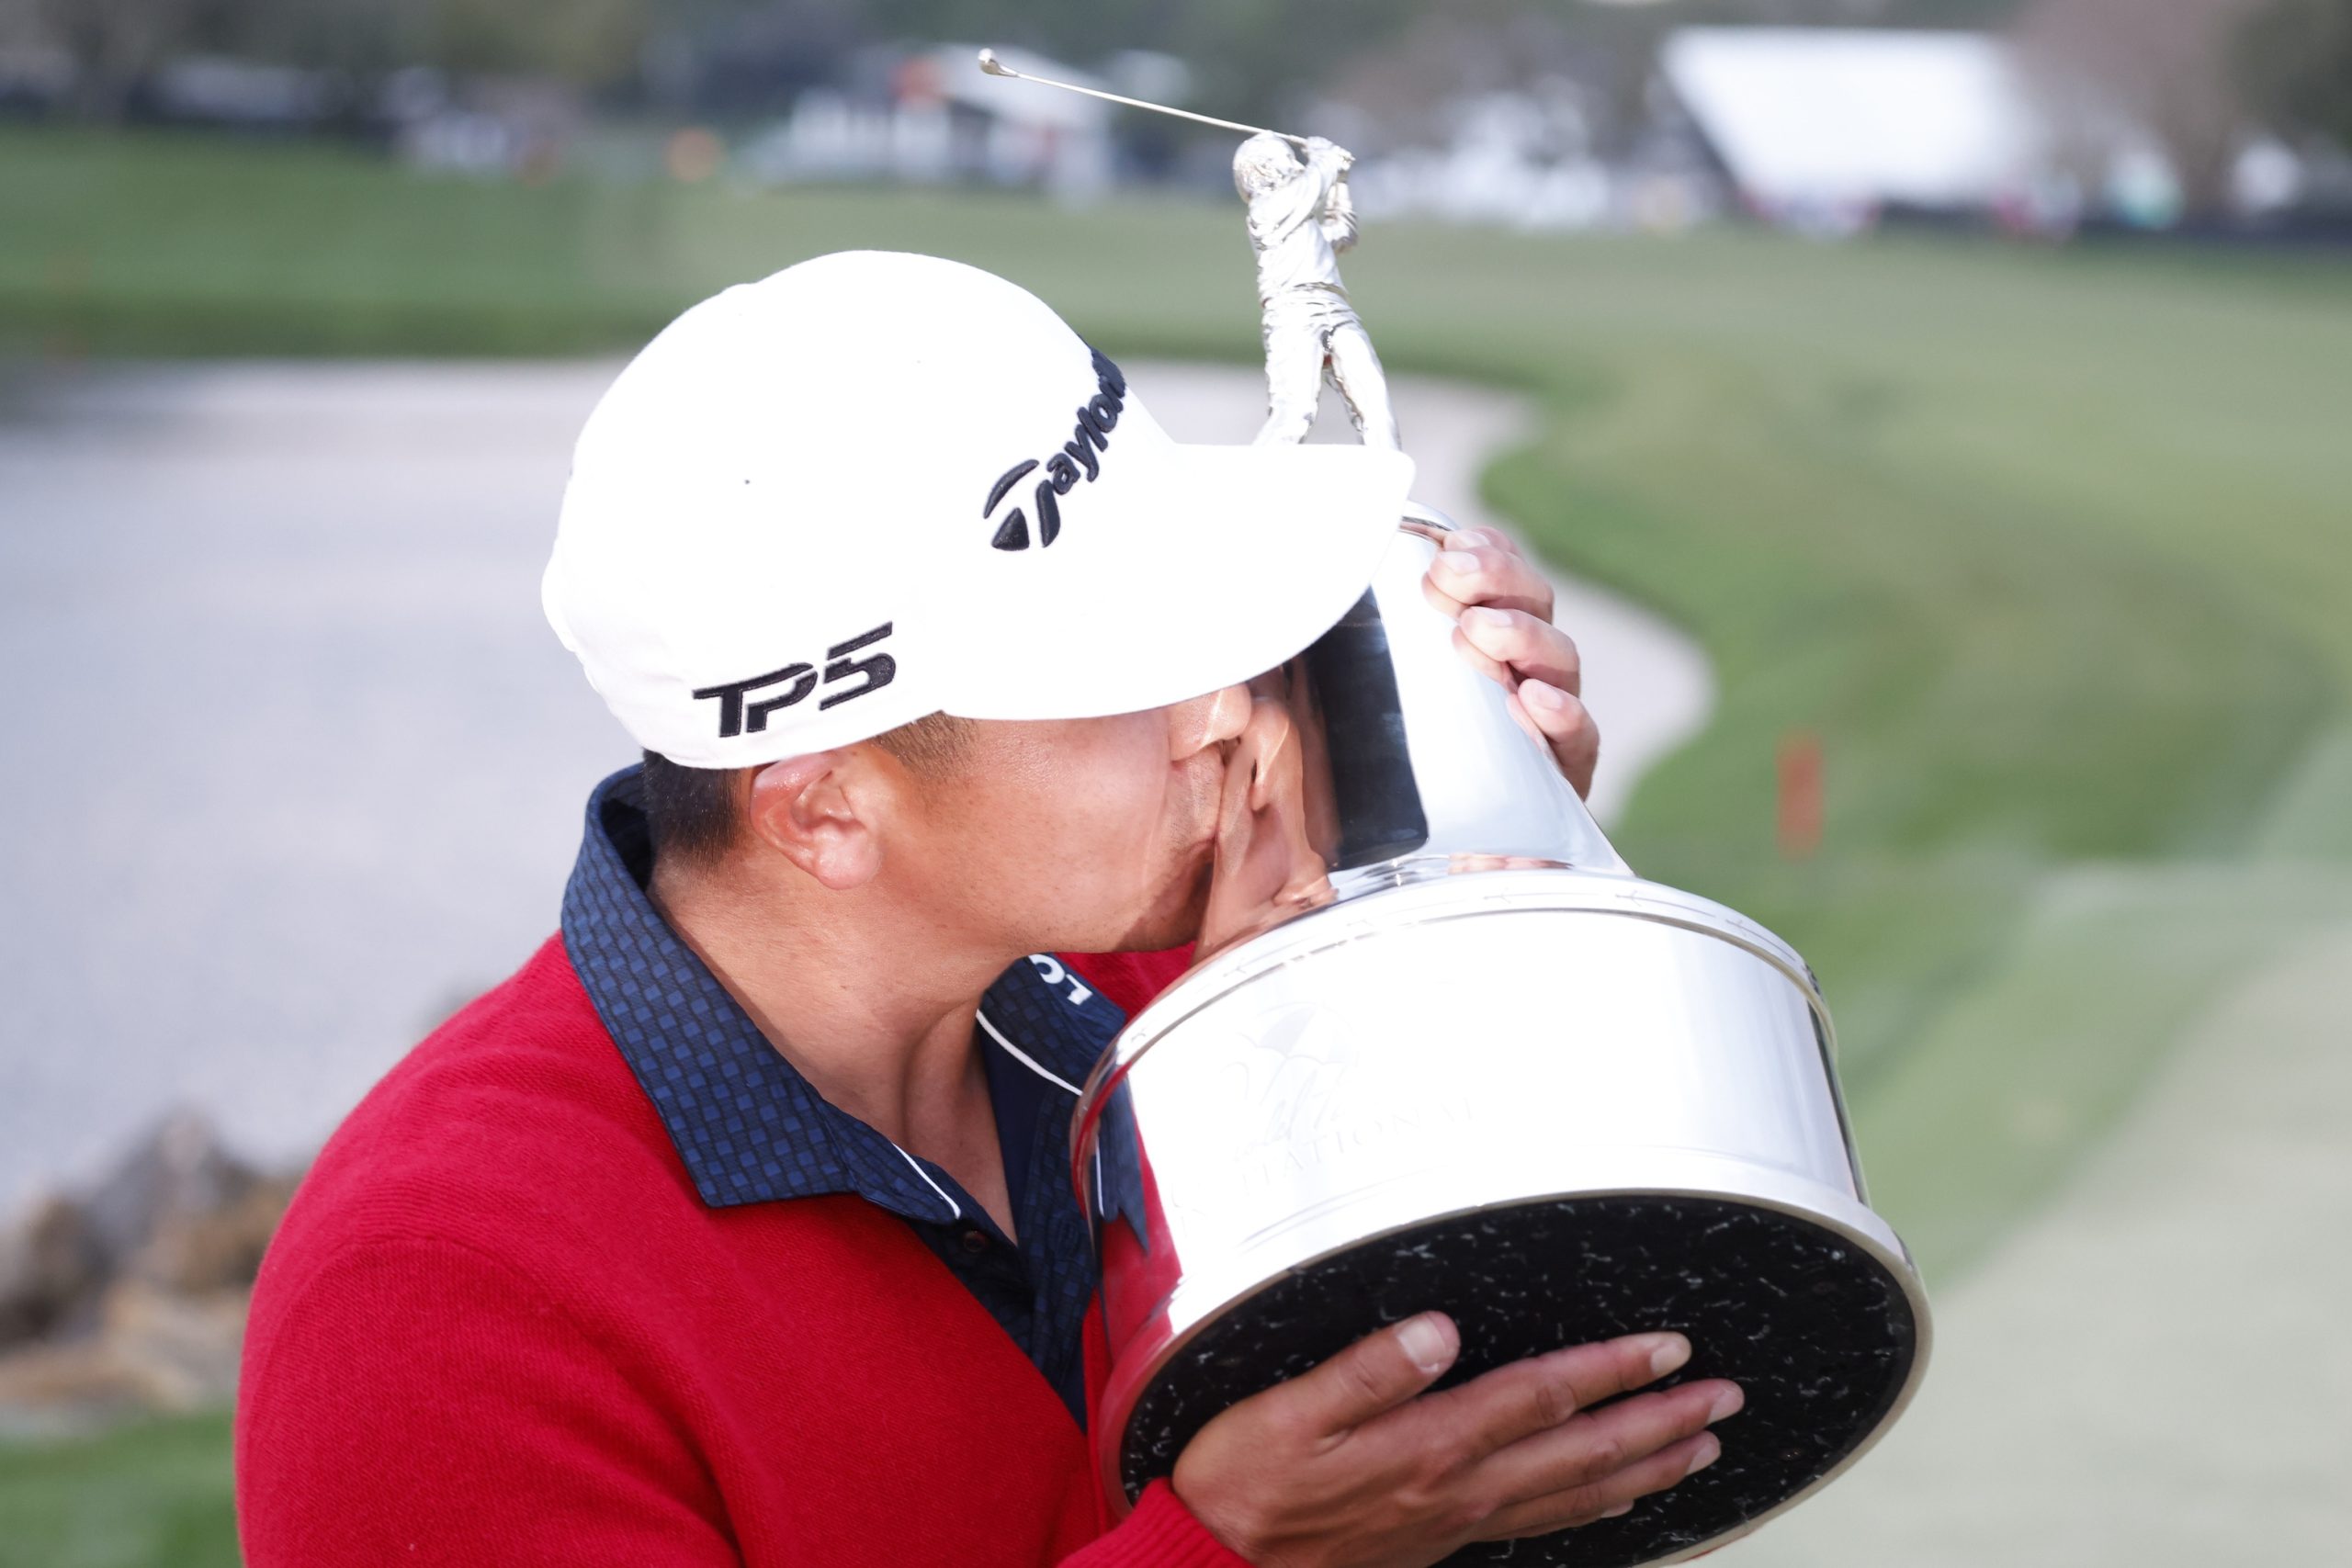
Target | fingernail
(1428,1341)
(1462,561)
(1710,1451)
(1545,695)
(1489,617)
(1727,1403)
(1672,1349)
(1619,1512)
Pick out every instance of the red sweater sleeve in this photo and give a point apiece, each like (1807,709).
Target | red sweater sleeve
(1160,1533)
(372,1427)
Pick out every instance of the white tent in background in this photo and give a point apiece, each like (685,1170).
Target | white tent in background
(1825,121)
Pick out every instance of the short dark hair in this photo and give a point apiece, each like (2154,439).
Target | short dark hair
(691,813)
(694,814)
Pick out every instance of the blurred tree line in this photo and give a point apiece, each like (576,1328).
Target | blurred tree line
(1244,50)
(1245,53)
(114,44)
(2197,71)
(2294,60)
(2192,68)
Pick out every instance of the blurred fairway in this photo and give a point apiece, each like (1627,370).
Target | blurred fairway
(2053,550)
(153,1494)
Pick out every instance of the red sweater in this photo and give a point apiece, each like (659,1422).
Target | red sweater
(499,1327)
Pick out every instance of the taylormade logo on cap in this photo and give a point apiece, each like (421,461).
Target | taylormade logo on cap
(752,562)
(1096,418)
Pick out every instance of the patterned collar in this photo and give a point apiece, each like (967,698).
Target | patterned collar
(749,1127)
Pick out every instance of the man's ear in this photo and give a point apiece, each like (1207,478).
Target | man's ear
(810,810)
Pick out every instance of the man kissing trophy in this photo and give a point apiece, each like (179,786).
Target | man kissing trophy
(1316,1132)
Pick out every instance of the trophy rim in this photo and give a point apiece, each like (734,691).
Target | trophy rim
(1687,1173)
(1125,1390)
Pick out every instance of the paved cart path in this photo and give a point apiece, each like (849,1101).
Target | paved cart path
(2156,1370)
(301,765)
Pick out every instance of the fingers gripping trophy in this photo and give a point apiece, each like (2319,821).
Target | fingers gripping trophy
(1301,217)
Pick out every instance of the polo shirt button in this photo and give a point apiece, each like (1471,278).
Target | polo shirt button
(975,1242)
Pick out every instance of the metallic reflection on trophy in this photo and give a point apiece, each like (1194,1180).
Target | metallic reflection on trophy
(1442,1049)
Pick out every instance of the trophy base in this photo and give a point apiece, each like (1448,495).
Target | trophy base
(1817,1332)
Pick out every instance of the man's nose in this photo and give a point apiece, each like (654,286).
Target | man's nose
(1209,720)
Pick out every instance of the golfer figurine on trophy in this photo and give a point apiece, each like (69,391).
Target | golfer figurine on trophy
(1300,219)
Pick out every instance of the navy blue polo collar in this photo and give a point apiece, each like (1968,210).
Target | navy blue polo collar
(749,1128)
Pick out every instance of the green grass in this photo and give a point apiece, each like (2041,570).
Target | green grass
(153,1494)
(2052,548)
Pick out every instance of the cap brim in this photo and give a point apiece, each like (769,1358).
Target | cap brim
(1218,564)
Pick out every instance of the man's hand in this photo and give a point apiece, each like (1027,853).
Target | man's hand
(1354,1465)
(1502,622)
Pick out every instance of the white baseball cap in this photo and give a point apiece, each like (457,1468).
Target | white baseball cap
(876,486)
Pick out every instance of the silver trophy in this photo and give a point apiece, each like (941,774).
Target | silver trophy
(1630,1121)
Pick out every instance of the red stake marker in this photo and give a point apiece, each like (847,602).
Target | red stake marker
(1799,810)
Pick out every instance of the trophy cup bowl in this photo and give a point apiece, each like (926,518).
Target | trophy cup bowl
(1624,1118)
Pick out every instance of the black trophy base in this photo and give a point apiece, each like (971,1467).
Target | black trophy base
(1815,1330)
